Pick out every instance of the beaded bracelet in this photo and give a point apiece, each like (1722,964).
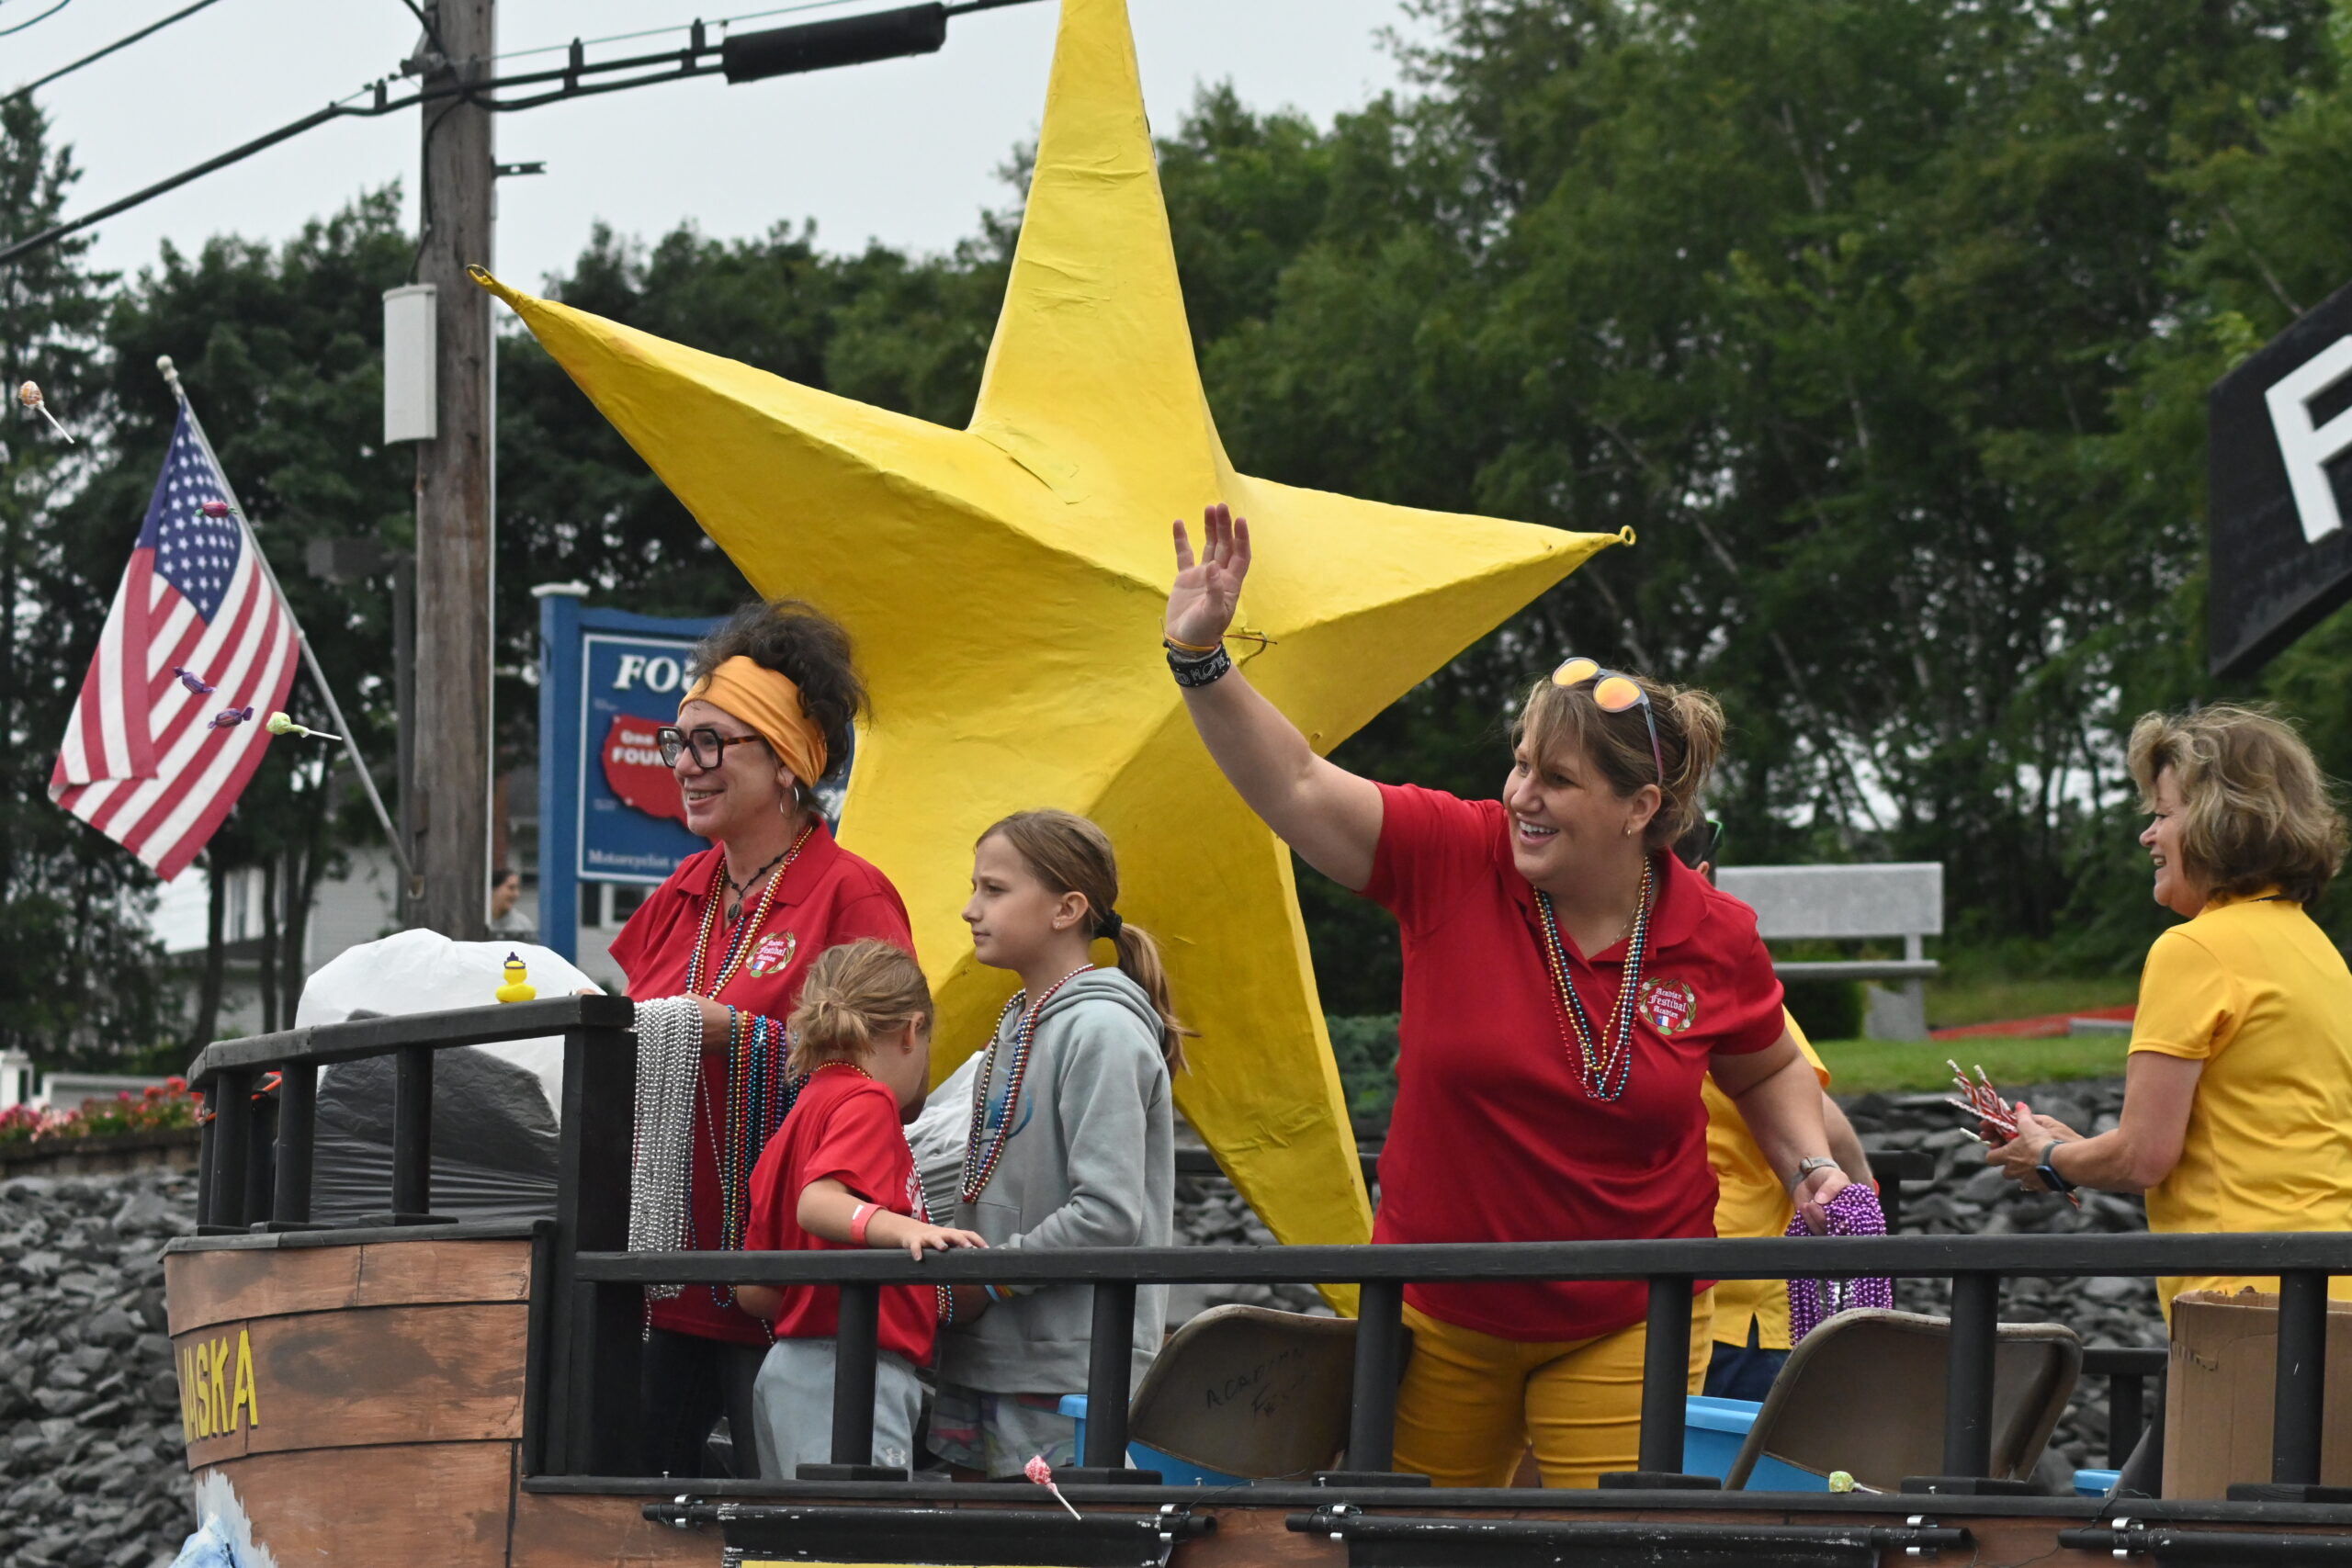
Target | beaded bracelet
(1196,670)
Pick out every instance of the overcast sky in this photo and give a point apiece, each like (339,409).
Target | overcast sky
(906,152)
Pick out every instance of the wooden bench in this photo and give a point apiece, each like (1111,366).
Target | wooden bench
(1853,903)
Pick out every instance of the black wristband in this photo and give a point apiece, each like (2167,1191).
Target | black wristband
(2049,1173)
(1193,670)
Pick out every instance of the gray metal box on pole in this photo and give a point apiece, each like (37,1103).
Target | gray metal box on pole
(411,405)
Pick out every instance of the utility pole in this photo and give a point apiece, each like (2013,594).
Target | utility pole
(454,492)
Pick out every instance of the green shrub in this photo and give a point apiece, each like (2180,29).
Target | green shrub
(1365,1048)
(1826,1010)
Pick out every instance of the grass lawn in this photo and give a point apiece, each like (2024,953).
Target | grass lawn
(1859,1066)
(1956,1001)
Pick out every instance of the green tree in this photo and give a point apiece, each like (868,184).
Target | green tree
(87,982)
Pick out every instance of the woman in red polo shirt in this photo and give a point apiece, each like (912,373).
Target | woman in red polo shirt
(772,697)
(1568,983)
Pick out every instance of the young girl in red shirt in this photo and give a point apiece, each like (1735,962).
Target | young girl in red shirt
(838,1175)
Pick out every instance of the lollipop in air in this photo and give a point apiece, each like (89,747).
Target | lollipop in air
(29,395)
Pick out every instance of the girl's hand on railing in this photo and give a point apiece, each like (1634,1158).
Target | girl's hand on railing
(918,1237)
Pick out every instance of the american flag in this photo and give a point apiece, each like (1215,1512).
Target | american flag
(143,762)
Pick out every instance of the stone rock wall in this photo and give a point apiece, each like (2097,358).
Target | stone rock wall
(91,1466)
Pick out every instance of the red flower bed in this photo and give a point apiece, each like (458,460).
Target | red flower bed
(165,1105)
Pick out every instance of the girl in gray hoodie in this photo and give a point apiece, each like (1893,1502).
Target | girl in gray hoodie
(1071,1141)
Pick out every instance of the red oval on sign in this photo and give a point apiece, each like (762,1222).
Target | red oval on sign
(634,769)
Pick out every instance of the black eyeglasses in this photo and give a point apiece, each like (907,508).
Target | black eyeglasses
(709,747)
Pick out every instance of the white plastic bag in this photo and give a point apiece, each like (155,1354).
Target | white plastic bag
(423,971)
(207,1548)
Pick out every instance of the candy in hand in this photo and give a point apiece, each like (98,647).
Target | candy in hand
(1996,1118)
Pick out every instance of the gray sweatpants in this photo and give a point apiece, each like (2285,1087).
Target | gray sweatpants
(794,1402)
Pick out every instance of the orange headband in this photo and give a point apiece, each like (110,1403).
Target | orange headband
(769,703)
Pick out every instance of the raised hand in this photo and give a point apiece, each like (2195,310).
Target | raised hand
(1206,592)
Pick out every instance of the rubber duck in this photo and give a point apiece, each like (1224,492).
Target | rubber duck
(518,986)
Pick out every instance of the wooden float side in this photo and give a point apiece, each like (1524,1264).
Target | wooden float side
(222,1285)
(364,1399)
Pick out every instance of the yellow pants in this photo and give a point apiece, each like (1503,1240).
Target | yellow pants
(1472,1404)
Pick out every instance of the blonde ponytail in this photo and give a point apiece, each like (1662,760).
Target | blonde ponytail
(855,993)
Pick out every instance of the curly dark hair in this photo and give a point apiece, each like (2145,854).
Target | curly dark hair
(808,647)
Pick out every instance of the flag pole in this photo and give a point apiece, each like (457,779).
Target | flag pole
(301,638)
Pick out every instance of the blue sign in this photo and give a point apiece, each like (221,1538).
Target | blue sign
(609,809)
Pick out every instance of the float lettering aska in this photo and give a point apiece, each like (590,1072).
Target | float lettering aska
(218,1392)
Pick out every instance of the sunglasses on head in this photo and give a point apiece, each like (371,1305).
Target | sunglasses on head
(709,747)
(1613,692)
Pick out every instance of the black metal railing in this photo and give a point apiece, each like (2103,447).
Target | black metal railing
(586,1289)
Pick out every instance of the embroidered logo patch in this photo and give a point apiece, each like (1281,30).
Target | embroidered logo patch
(1669,1006)
(771,955)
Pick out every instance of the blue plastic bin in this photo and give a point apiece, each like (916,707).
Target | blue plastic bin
(1713,1432)
(1173,1472)
(2095,1483)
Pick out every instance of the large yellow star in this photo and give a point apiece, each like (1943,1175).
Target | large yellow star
(1004,584)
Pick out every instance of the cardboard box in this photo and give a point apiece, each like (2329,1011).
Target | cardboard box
(2219,1392)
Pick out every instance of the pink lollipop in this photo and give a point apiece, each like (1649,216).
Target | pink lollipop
(1038,1471)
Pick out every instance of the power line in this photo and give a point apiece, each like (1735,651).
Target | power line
(673,28)
(699,57)
(45,16)
(123,43)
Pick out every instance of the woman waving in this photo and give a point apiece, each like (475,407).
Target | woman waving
(1567,984)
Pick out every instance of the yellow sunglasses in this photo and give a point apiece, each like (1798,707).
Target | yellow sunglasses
(1613,692)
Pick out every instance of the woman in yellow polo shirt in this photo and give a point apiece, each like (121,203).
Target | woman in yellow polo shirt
(2237,1098)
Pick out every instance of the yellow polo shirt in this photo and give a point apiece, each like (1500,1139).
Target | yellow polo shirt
(2257,993)
(1749,1200)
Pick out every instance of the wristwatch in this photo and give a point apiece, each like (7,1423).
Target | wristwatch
(2049,1177)
(1806,1168)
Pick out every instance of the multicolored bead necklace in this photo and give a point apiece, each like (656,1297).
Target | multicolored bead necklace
(978,1166)
(757,1096)
(741,943)
(1609,1063)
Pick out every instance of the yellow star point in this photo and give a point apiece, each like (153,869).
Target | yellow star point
(1004,585)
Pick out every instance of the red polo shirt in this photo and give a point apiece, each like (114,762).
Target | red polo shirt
(1494,1136)
(828,897)
(844,1126)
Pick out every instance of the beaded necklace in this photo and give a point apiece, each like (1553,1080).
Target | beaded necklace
(741,943)
(979,1167)
(756,1097)
(1608,1063)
